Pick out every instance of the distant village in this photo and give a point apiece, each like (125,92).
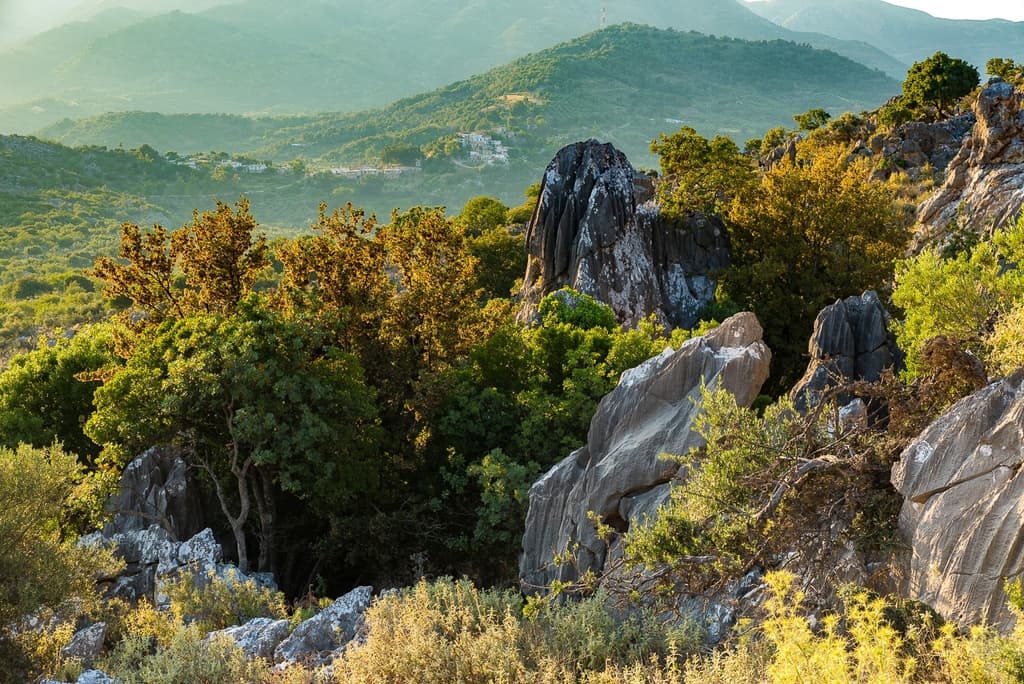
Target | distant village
(477,148)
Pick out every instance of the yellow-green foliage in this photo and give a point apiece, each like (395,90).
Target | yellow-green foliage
(960,296)
(450,631)
(218,601)
(42,569)
(187,658)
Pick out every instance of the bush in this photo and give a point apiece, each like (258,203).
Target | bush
(450,631)
(42,569)
(217,600)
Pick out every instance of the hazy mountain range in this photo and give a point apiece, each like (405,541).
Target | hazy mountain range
(264,56)
(907,34)
(626,84)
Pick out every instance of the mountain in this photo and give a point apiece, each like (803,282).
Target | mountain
(264,56)
(910,35)
(626,84)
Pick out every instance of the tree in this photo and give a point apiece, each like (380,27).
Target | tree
(261,402)
(481,214)
(502,257)
(1006,69)
(700,174)
(939,80)
(218,255)
(44,399)
(401,154)
(808,233)
(812,119)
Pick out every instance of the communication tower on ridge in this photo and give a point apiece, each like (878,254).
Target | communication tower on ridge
(604,17)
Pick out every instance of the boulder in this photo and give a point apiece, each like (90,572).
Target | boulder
(86,645)
(591,232)
(257,638)
(963,514)
(851,341)
(155,489)
(327,631)
(984,186)
(619,474)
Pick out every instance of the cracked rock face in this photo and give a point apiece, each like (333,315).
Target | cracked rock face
(155,488)
(984,186)
(963,514)
(618,474)
(851,341)
(593,231)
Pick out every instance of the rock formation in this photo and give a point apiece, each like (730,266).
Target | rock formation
(327,631)
(984,187)
(593,231)
(257,638)
(618,474)
(851,341)
(964,511)
(914,144)
(155,489)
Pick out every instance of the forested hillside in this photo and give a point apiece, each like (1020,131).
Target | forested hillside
(266,57)
(626,84)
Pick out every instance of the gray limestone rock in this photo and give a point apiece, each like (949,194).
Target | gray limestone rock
(984,185)
(86,645)
(963,514)
(328,630)
(152,558)
(594,230)
(618,474)
(851,341)
(155,489)
(257,638)
(87,677)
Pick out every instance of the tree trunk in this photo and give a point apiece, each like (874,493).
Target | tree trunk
(263,493)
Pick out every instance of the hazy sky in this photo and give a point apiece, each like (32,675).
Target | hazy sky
(18,16)
(968,9)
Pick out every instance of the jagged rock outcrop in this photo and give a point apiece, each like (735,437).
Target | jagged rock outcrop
(964,511)
(984,186)
(155,489)
(914,144)
(591,232)
(851,341)
(257,638)
(152,558)
(618,474)
(327,631)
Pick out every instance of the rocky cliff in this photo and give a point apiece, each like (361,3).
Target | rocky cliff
(618,474)
(984,186)
(964,511)
(596,230)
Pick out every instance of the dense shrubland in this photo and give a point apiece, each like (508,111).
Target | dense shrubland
(368,381)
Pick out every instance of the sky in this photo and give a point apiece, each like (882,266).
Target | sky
(19,16)
(968,9)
